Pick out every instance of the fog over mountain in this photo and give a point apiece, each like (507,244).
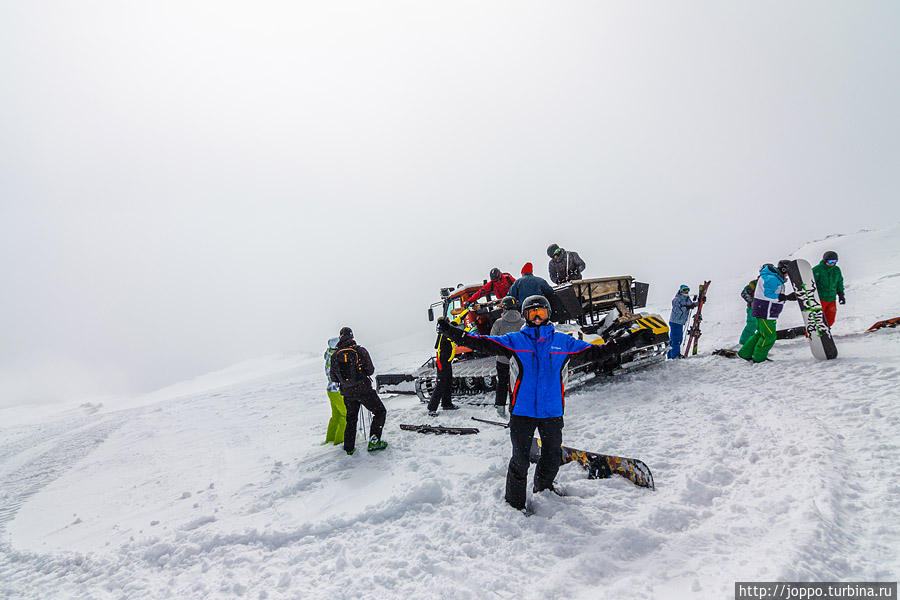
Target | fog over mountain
(187,186)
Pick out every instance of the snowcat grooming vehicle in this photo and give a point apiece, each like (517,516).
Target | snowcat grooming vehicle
(593,310)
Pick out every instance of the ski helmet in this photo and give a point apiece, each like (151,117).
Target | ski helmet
(509,303)
(536,307)
(495,274)
(346,332)
(552,250)
(685,288)
(830,255)
(783,266)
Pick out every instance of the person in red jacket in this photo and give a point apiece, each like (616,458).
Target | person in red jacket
(498,285)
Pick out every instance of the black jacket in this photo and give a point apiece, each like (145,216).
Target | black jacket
(566,267)
(365,365)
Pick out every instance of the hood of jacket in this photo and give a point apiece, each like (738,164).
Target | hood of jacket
(512,316)
(346,342)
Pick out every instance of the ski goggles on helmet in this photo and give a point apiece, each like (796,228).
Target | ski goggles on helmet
(684,289)
(536,312)
(831,261)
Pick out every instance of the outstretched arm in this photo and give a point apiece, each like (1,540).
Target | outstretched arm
(482,343)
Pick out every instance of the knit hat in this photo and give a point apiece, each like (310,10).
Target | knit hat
(528,269)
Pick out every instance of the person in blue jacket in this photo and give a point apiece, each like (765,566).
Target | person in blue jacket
(681,309)
(539,360)
(768,300)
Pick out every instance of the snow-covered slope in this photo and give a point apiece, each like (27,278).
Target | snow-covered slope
(780,471)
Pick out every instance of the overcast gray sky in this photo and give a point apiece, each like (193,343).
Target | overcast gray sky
(184,185)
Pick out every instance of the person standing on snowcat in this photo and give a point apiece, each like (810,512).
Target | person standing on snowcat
(510,321)
(539,357)
(681,309)
(445,352)
(352,368)
(830,283)
(530,285)
(565,265)
(768,301)
(498,286)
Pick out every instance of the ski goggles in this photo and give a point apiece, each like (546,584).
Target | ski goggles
(537,312)
(684,289)
(832,261)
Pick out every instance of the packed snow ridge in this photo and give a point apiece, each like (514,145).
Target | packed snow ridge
(219,488)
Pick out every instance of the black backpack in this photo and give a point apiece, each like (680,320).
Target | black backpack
(349,370)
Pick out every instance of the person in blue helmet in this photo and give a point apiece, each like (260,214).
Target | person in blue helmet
(681,309)
(539,358)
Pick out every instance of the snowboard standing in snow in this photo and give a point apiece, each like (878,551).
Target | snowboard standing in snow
(819,334)
(598,466)
(694,331)
(439,429)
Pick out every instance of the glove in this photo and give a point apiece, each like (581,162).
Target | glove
(703,299)
(841,298)
(443,325)
(501,410)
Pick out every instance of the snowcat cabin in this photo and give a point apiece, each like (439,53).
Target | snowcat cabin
(479,319)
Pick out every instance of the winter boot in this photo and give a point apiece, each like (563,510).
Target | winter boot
(376,444)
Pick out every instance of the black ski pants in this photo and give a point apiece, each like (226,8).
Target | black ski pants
(502,383)
(442,388)
(521,432)
(371,401)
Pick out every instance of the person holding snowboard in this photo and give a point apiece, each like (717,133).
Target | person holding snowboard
(351,369)
(830,283)
(446,351)
(530,285)
(498,286)
(565,265)
(510,321)
(750,326)
(338,422)
(539,358)
(768,301)
(681,310)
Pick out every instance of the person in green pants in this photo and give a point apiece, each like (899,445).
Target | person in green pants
(338,422)
(750,326)
(768,300)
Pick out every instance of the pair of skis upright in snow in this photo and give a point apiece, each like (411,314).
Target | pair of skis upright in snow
(694,331)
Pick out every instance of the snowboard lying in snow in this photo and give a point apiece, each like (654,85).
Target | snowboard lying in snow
(598,466)
(439,429)
(819,334)
(602,466)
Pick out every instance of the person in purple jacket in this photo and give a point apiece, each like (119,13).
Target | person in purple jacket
(539,360)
